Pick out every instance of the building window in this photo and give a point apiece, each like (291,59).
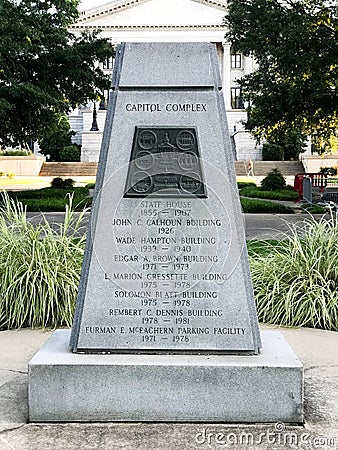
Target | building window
(108,63)
(236,98)
(236,61)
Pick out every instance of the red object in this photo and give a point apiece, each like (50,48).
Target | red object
(318,180)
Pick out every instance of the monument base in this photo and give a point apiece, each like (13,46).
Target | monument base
(68,387)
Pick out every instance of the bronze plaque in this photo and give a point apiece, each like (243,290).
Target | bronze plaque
(165,162)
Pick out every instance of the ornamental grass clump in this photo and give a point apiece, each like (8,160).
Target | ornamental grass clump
(39,267)
(296,282)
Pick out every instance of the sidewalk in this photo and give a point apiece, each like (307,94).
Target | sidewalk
(316,349)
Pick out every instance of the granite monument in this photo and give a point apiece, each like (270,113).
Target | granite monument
(165,326)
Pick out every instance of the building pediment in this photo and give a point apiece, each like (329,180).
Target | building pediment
(154,14)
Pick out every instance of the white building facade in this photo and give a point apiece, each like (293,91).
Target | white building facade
(167,21)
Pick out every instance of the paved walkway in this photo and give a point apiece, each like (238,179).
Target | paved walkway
(316,349)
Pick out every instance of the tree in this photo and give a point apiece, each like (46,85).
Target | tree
(44,69)
(291,141)
(52,144)
(294,88)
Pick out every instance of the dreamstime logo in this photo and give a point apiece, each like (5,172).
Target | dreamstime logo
(278,436)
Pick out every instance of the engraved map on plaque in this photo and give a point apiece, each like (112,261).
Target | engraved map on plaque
(165,162)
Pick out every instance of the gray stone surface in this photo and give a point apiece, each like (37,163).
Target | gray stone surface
(151,65)
(257,226)
(67,387)
(130,298)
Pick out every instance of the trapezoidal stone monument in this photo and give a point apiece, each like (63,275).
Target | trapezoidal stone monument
(165,326)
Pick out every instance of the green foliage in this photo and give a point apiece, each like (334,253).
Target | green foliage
(291,140)
(313,209)
(48,192)
(263,248)
(52,199)
(281,194)
(44,69)
(272,152)
(14,152)
(243,184)
(331,171)
(70,153)
(39,268)
(264,207)
(325,146)
(52,144)
(60,183)
(90,185)
(58,145)
(295,43)
(296,282)
(283,144)
(274,181)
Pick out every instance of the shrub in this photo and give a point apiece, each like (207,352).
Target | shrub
(273,181)
(52,199)
(52,144)
(68,183)
(39,268)
(70,153)
(296,282)
(57,183)
(264,207)
(262,247)
(60,183)
(272,152)
(331,171)
(313,209)
(282,194)
(244,184)
(290,141)
(13,152)
(45,204)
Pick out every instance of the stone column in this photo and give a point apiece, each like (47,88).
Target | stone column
(226,70)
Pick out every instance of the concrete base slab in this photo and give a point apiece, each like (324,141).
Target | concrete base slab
(68,387)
